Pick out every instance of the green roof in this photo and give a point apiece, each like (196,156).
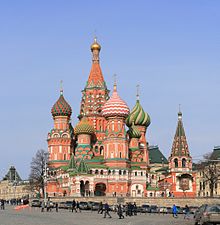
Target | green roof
(156,156)
(149,188)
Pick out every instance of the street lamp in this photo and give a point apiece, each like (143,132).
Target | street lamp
(45,176)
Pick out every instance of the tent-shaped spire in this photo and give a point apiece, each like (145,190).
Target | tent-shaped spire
(83,168)
(72,163)
(180,146)
(96,78)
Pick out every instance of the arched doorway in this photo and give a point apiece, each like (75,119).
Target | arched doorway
(82,188)
(87,191)
(100,189)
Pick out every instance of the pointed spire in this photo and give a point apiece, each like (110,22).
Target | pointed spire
(61,87)
(115,83)
(180,146)
(83,168)
(180,113)
(138,89)
(72,163)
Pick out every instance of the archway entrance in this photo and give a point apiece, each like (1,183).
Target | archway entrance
(100,189)
(87,191)
(82,188)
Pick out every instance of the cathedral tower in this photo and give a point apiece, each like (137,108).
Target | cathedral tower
(139,120)
(60,138)
(115,111)
(94,96)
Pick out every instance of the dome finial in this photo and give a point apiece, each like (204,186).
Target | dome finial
(180,113)
(61,87)
(115,82)
(138,89)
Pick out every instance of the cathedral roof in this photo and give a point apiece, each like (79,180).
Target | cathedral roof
(84,127)
(180,146)
(156,156)
(115,106)
(12,175)
(61,107)
(138,116)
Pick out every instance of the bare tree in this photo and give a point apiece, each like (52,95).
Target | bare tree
(37,171)
(210,168)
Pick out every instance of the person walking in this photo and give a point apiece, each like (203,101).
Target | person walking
(186,213)
(73,207)
(174,211)
(77,207)
(107,209)
(100,210)
(56,206)
(120,212)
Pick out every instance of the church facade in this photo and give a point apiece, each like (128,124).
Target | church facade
(107,152)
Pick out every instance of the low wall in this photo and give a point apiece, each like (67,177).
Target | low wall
(168,202)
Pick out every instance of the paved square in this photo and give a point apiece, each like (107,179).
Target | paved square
(33,216)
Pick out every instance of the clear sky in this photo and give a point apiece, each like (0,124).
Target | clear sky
(170,48)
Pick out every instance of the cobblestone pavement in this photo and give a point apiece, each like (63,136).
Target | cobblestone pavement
(33,216)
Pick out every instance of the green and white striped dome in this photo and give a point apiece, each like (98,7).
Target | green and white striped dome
(138,116)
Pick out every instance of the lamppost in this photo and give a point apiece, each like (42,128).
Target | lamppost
(45,176)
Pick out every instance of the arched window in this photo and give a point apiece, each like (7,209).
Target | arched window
(90,171)
(124,173)
(183,162)
(101,172)
(176,163)
(109,172)
(64,157)
(101,150)
(135,173)
(119,172)
(112,125)
(113,172)
(119,154)
(96,172)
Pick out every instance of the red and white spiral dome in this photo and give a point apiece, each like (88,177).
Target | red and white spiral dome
(115,106)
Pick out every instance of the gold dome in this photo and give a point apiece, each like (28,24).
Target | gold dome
(95,45)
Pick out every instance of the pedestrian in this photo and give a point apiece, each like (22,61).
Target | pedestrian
(120,212)
(107,209)
(73,207)
(2,204)
(42,206)
(56,206)
(186,213)
(77,207)
(135,209)
(100,210)
(174,211)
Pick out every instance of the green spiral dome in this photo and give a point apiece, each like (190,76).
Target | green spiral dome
(84,127)
(138,116)
(133,132)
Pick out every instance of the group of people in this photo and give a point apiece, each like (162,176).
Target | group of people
(75,206)
(186,212)
(130,209)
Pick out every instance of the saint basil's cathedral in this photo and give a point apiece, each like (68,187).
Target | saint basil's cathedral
(107,152)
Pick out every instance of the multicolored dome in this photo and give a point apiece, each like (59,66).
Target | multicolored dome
(138,116)
(133,132)
(61,107)
(115,106)
(84,127)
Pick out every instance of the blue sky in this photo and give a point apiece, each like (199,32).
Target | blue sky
(170,48)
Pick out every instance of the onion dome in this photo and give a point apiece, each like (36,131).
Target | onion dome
(61,107)
(115,106)
(95,45)
(138,116)
(133,132)
(84,127)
